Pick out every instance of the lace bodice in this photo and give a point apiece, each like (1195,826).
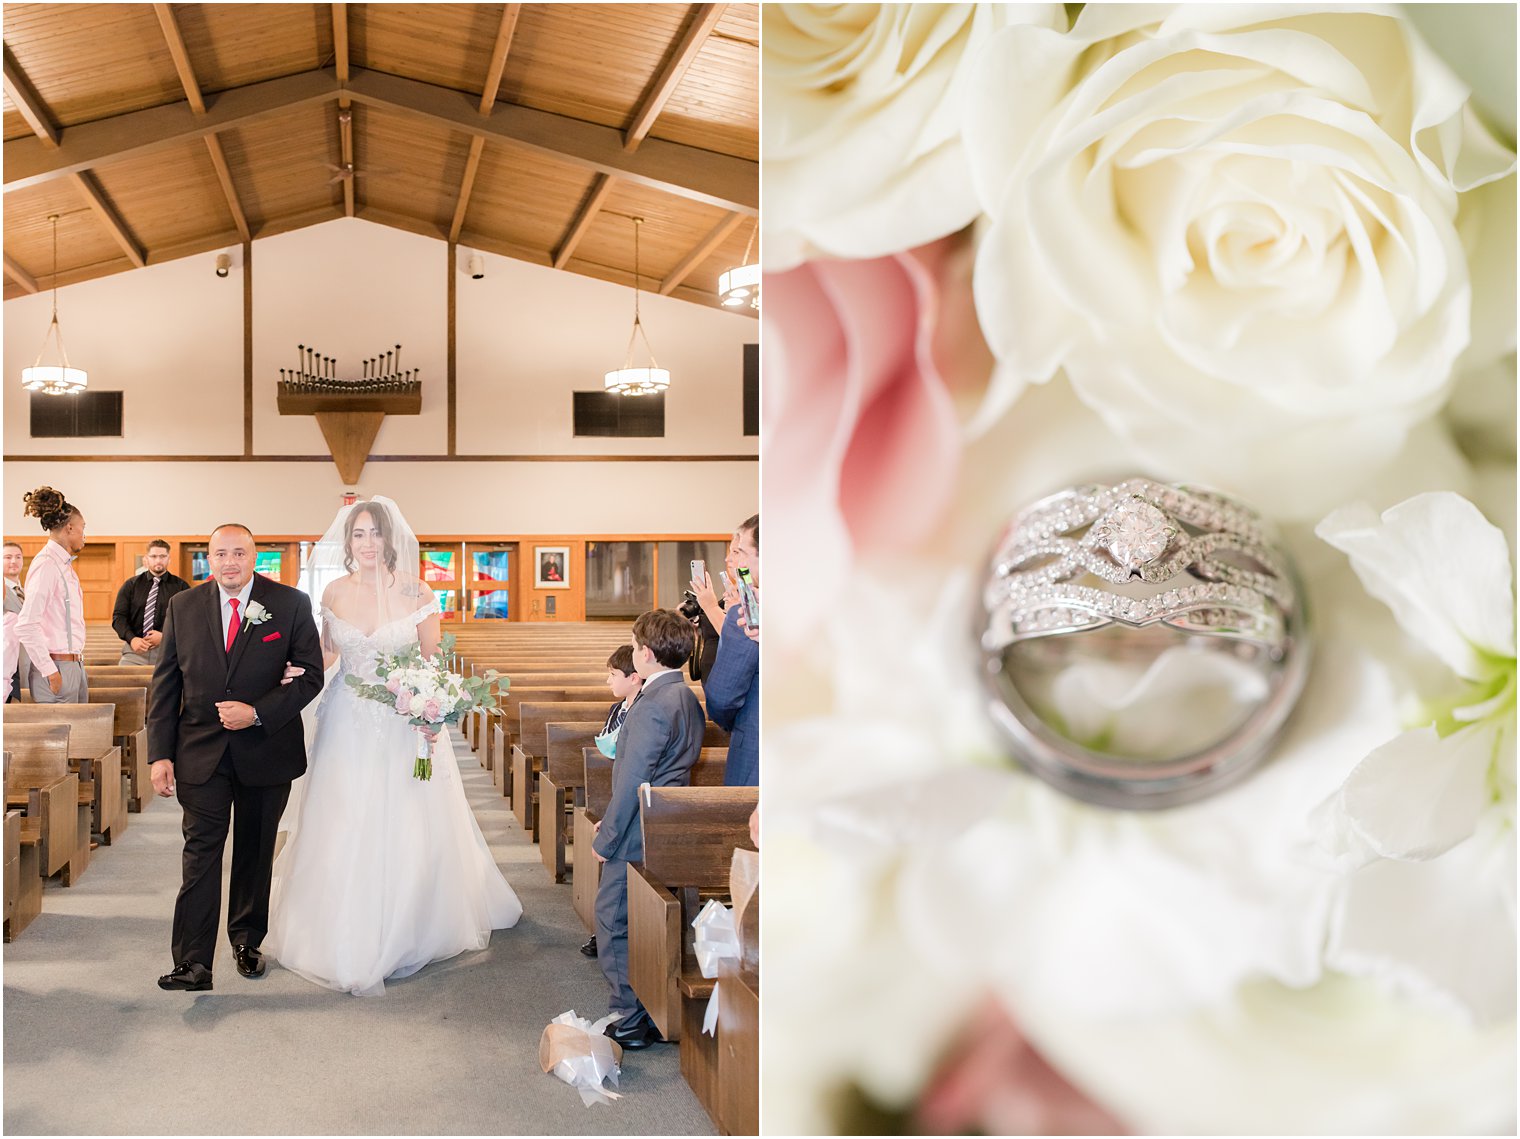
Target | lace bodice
(357,650)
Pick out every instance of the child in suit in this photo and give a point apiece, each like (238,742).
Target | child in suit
(660,740)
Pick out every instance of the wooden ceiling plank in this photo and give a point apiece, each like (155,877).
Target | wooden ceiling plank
(499,51)
(704,18)
(686,171)
(506,248)
(582,223)
(340,40)
(16,273)
(229,191)
(700,253)
(181,57)
(108,217)
(466,186)
(28,162)
(28,102)
(291,222)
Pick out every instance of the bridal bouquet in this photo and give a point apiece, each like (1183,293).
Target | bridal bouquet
(1269,249)
(424,691)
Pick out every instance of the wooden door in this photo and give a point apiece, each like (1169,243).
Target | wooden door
(98,575)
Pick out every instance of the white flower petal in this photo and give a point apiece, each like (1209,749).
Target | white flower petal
(1442,568)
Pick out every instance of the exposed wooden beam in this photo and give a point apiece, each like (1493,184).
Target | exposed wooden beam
(505,248)
(700,253)
(109,218)
(28,102)
(466,186)
(686,171)
(181,57)
(16,273)
(29,162)
(499,57)
(583,219)
(247,347)
(346,114)
(680,292)
(704,18)
(340,40)
(229,191)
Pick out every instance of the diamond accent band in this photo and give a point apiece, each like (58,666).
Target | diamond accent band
(1138,532)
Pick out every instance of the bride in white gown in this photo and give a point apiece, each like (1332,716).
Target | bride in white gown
(381,873)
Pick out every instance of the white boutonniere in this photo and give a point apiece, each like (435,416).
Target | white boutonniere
(256,614)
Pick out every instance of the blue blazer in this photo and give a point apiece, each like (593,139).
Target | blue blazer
(733,701)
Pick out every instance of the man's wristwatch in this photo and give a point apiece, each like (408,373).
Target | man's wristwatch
(257,723)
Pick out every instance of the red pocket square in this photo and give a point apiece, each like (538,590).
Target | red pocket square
(272,637)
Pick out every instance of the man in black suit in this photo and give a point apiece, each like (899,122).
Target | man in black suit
(658,743)
(228,735)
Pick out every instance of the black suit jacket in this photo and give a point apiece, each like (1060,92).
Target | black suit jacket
(659,742)
(195,672)
(132,603)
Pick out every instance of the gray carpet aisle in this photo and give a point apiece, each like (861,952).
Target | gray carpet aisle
(93,1046)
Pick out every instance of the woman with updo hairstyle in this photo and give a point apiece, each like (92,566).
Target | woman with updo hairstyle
(50,626)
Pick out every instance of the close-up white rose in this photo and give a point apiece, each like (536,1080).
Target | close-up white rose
(862,110)
(1248,235)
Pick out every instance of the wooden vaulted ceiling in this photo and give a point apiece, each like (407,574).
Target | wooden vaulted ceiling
(536,131)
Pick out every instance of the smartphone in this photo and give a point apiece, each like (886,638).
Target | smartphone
(750,599)
(724,582)
(698,569)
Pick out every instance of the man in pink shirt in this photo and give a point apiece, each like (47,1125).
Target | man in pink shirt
(51,625)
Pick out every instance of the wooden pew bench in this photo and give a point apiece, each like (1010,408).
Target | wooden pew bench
(130,733)
(529,749)
(92,752)
(23,873)
(42,787)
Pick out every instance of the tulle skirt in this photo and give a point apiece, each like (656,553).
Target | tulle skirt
(381,873)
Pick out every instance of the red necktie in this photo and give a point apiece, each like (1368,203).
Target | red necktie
(232,626)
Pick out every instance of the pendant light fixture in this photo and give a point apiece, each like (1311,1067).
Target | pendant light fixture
(741,284)
(54,379)
(629,380)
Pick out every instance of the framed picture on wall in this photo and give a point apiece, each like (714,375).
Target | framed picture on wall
(551,567)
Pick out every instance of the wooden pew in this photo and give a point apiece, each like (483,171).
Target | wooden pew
(24,739)
(120,676)
(738,1040)
(23,874)
(41,785)
(587,871)
(690,834)
(532,743)
(131,734)
(560,787)
(94,753)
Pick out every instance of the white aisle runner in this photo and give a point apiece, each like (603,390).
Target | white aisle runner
(92,1045)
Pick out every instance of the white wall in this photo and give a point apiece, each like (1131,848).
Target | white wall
(496,498)
(528,336)
(171,337)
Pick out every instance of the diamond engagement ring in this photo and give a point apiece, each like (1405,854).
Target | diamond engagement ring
(1143,643)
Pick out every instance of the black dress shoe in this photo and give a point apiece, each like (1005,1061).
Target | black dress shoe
(250,962)
(190,978)
(634,1032)
(589,949)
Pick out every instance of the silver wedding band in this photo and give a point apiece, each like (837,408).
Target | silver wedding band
(1118,573)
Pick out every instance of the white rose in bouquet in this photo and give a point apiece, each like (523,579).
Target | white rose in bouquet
(1247,234)
(862,123)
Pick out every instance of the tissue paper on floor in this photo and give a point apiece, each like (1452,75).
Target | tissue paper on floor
(575,1050)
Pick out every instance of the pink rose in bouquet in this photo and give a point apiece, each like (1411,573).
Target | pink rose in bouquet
(863,363)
